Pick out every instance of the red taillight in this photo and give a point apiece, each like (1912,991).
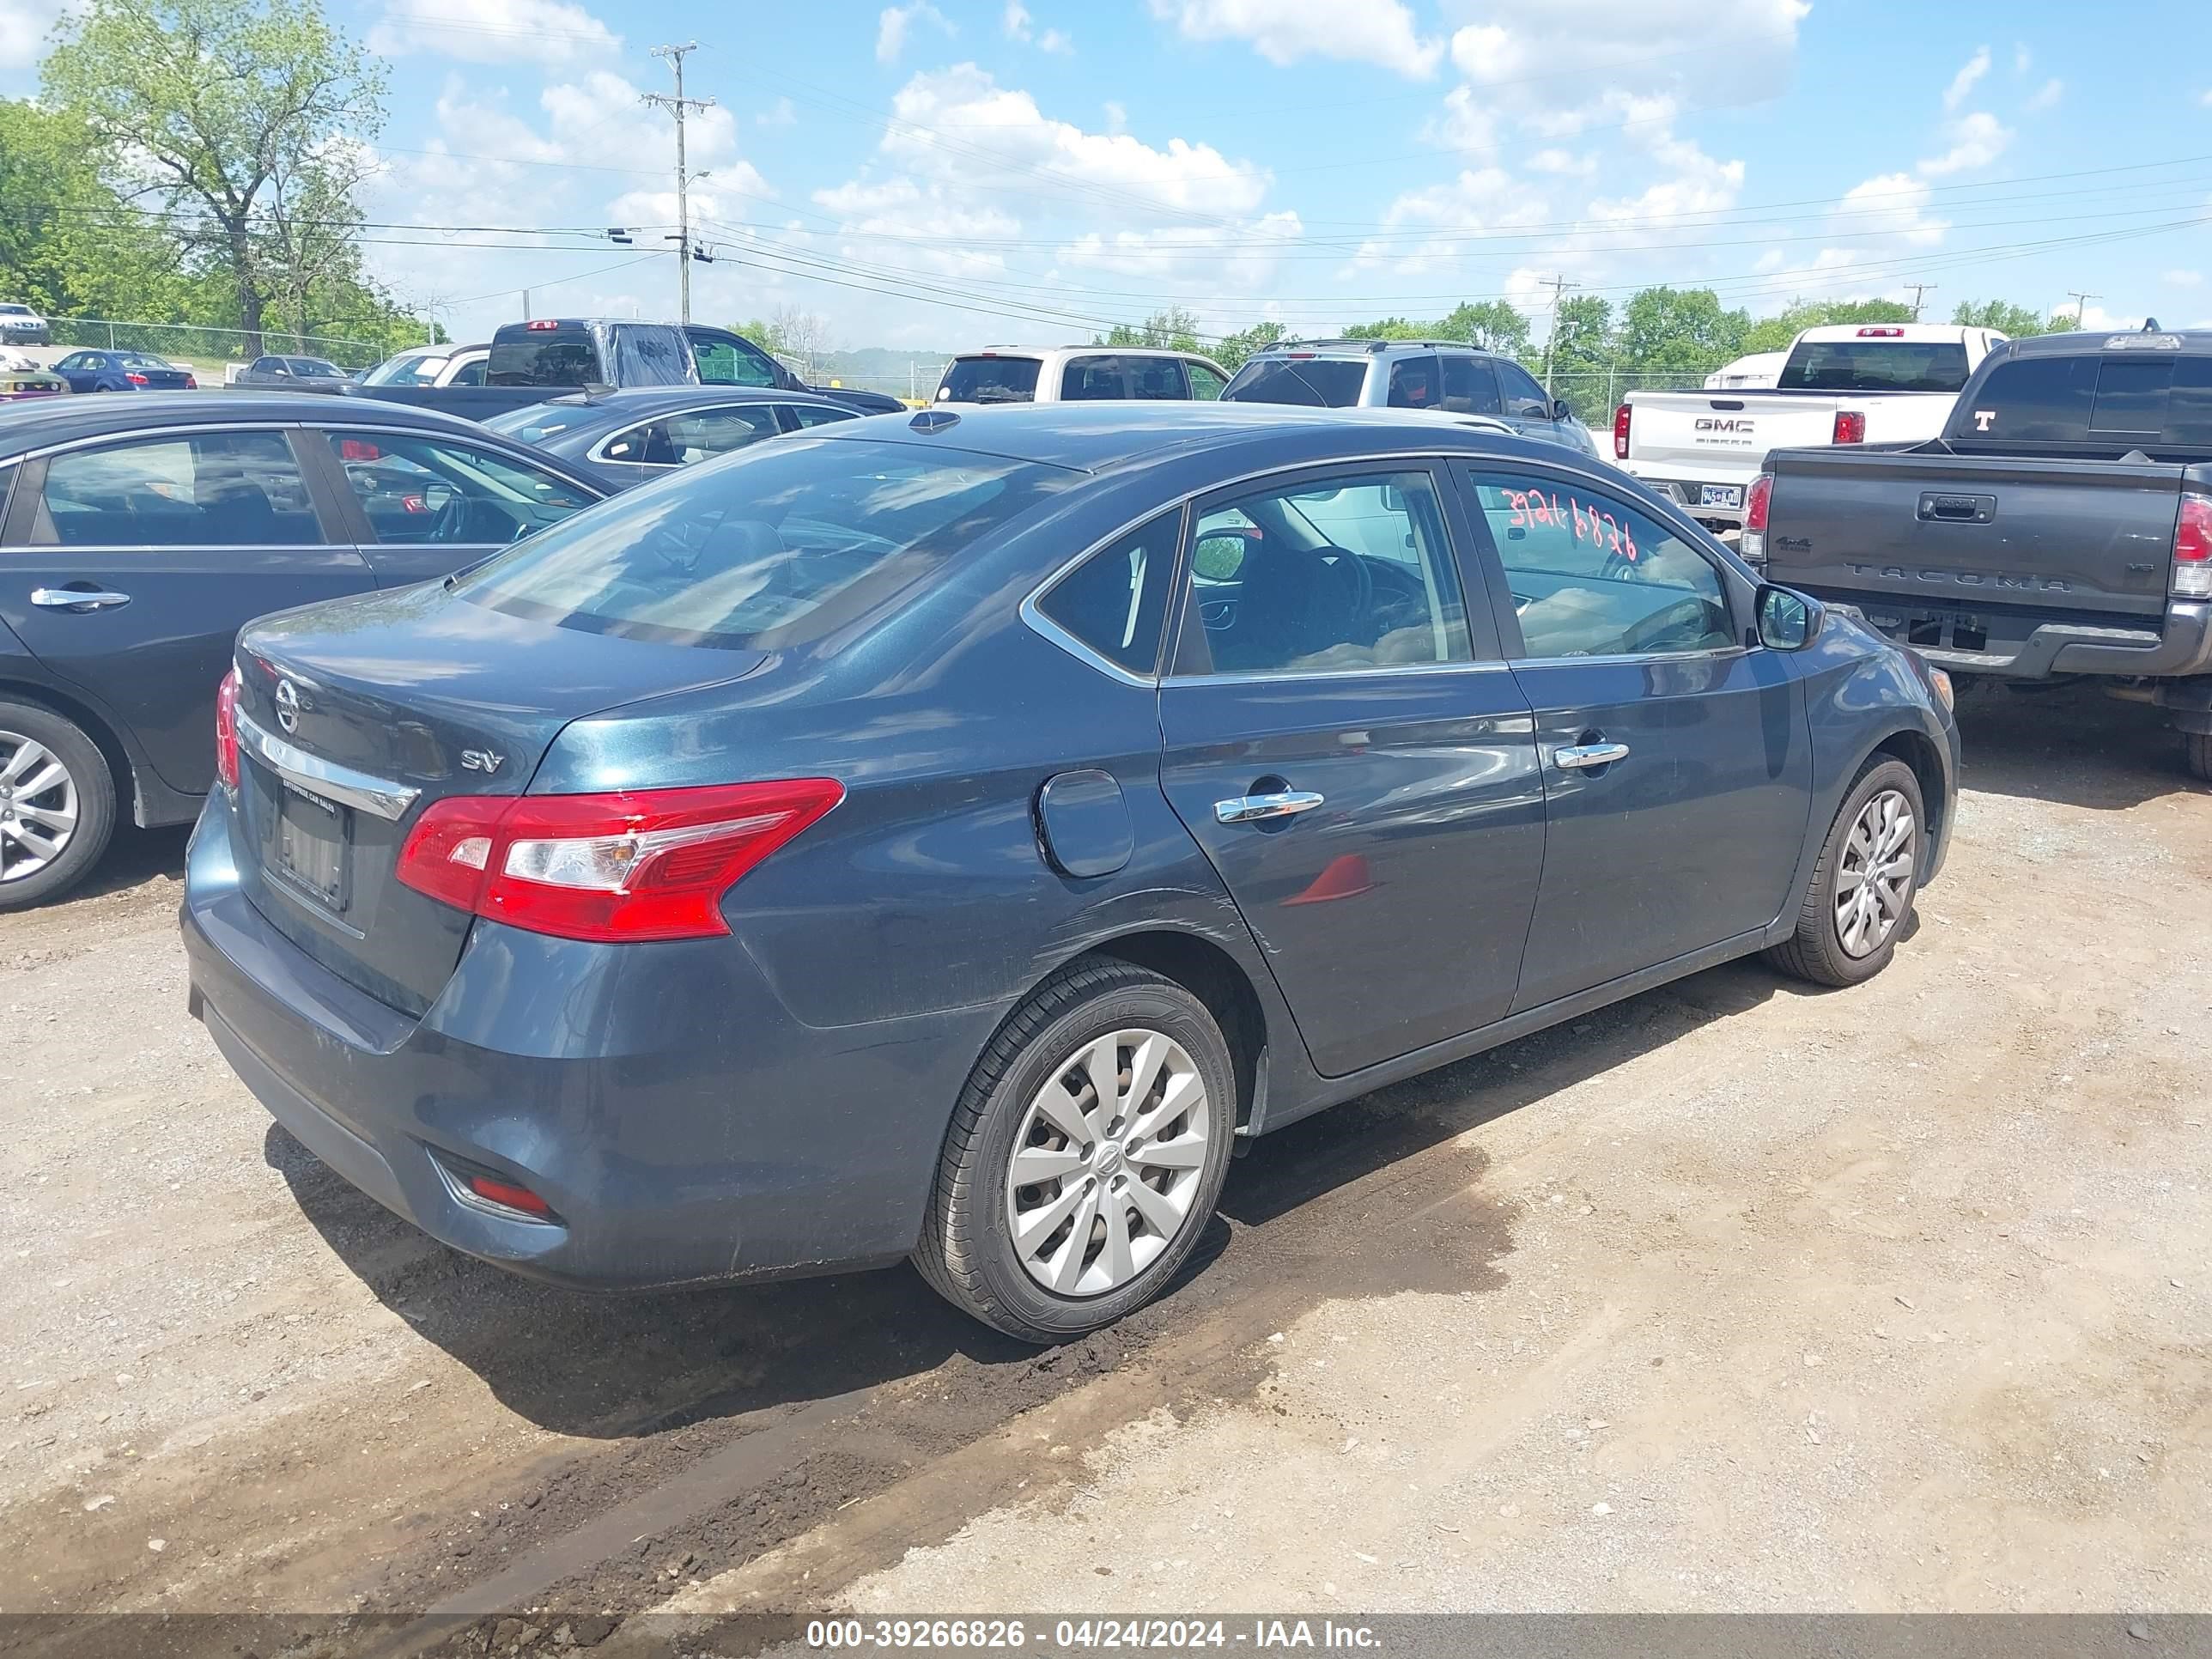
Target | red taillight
(1850,427)
(616,868)
(1882,334)
(541,324)
(1620,418)
(1752,544)
(191,383)
(226,730)
(135,378)
(2193,549)
(508,1195)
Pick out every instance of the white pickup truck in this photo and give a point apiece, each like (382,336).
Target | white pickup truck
(1875,383)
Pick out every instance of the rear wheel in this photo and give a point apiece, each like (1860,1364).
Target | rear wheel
(1855,908)
(57,805)
(1085,1157)
(2196,753)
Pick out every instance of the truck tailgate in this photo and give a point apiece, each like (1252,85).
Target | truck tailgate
(2070,537)
(1719,433)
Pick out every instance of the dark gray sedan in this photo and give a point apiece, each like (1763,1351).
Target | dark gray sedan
(275,374)
(624,437)
(949,837)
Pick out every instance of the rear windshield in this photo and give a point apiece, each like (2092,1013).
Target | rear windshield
(1316,382)
(539,422)
(417,369)
(990,380)
(772,547)
(2138,399)
(1874,366)
(546,357)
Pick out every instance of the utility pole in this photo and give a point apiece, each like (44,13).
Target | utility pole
(679,106)
(2080,304)
(1919,288)
(1558,285)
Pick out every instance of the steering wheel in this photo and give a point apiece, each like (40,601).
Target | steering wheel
(452,523)
(1343,561)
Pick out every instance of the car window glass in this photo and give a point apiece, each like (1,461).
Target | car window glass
(1086,379)
(1413,384)
(1524,399)
(703,433)
(426,491)
(639,446)
(731,363)
(1205,384)
(1308,381)
(2189,404)
(815,415)
(2132,393)
(1115,600)
(216,489)
(1470,386)
(535,422)
(1334,574)
(2030,399)
(989,381)
(469,374)
(1157,378)
(648,354)
(408,368)
(1592,576)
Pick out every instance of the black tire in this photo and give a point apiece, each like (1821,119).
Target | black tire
(80,756)
(967,1251)
(1816,951)
(2196,754)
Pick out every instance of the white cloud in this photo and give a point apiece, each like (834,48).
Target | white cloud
(1468,123)
(2046,96)
(1054,40)
(1962,83)
(2181,278)
(2096,320)
(2022,59)
(896,23)
(1976,140)
(1429,228)
(24,26)
(1544,53)
(1893,203)
(1015,22)
(548,32)
(778,114)
(1379,31)
(1564,163)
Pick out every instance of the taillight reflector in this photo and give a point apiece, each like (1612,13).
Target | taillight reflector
(2193,549)
(509,1196)
(135,378)
(1620,418)
(652,865)
(1850,427)
(1753,545)
(1882,334)
(225,729)
(542,323)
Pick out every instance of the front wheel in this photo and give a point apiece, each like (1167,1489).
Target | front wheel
(1085,1157)
(57,805)
(1862,890)
(2196,754)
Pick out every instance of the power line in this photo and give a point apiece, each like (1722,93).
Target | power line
(678,106)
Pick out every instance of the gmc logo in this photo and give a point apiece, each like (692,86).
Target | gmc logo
(1711,424)
(1898,572)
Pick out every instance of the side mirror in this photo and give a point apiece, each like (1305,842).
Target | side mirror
(1559,409)
(1788,621)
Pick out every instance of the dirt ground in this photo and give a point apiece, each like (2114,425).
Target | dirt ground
(1731,1297)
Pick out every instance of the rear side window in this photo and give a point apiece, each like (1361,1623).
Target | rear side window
(2115,403)
(1309,382)
(775,547)
(990,380)
(732,362)
(1470,386)
(1103,379)
(1115,600)
(1874,366)
(217,489)
(648,354)
(543,356)
(1413,384)
(432,491)
(469,374)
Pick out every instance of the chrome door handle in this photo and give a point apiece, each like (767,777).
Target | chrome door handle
(1249,809)
(76,598)
(1582,756)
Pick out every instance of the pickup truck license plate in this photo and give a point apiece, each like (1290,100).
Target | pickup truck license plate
(1720,495)
(311,835)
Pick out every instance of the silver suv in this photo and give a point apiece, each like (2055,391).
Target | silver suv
(1448,376)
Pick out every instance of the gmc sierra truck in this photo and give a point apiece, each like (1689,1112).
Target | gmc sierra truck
(1842,383)
(2060,526)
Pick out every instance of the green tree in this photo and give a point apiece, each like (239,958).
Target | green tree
(1775,333)
(68,243)
(1682,330)
(1232,349)
(2017,321)
(1581,353)
(1172,330)
(1490,323)
(1388,328)
(220,103)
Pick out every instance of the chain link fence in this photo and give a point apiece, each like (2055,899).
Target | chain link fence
(1593,394)
(204,344)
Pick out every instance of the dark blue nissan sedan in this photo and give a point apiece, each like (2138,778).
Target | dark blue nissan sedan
(943,837)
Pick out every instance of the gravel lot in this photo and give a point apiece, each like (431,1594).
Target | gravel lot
(1731,1297)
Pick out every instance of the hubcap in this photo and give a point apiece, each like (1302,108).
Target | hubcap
(38,806)
(1107,1163)
(1875,881)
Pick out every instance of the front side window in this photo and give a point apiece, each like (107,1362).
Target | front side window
(1205,384)
(1413,384)
(1524,399)
(732,362)
(1325,575)
(433,491)
(780,545)
(1592,576)
(1470,386)
(469,374)
(815,415)
(216,489)
(1115,601)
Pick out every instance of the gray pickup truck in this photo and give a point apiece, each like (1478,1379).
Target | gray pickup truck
(2061,526)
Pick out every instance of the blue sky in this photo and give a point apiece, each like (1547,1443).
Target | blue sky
(937,174)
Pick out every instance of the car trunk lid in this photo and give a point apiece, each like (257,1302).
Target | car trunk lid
(353,717)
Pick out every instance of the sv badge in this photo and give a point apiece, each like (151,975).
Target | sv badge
(481,760)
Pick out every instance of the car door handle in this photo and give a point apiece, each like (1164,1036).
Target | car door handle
(77,599)
(1249,809)
(1581,757)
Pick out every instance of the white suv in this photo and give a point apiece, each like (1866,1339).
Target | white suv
(1069,375)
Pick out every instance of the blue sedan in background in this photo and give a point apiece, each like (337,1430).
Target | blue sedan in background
(123,370)
(944,837)
(624,437)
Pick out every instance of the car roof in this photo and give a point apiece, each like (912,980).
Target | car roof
(28,426)
(1351,348)
(1093,350)
(2189,341)
(1097,437)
